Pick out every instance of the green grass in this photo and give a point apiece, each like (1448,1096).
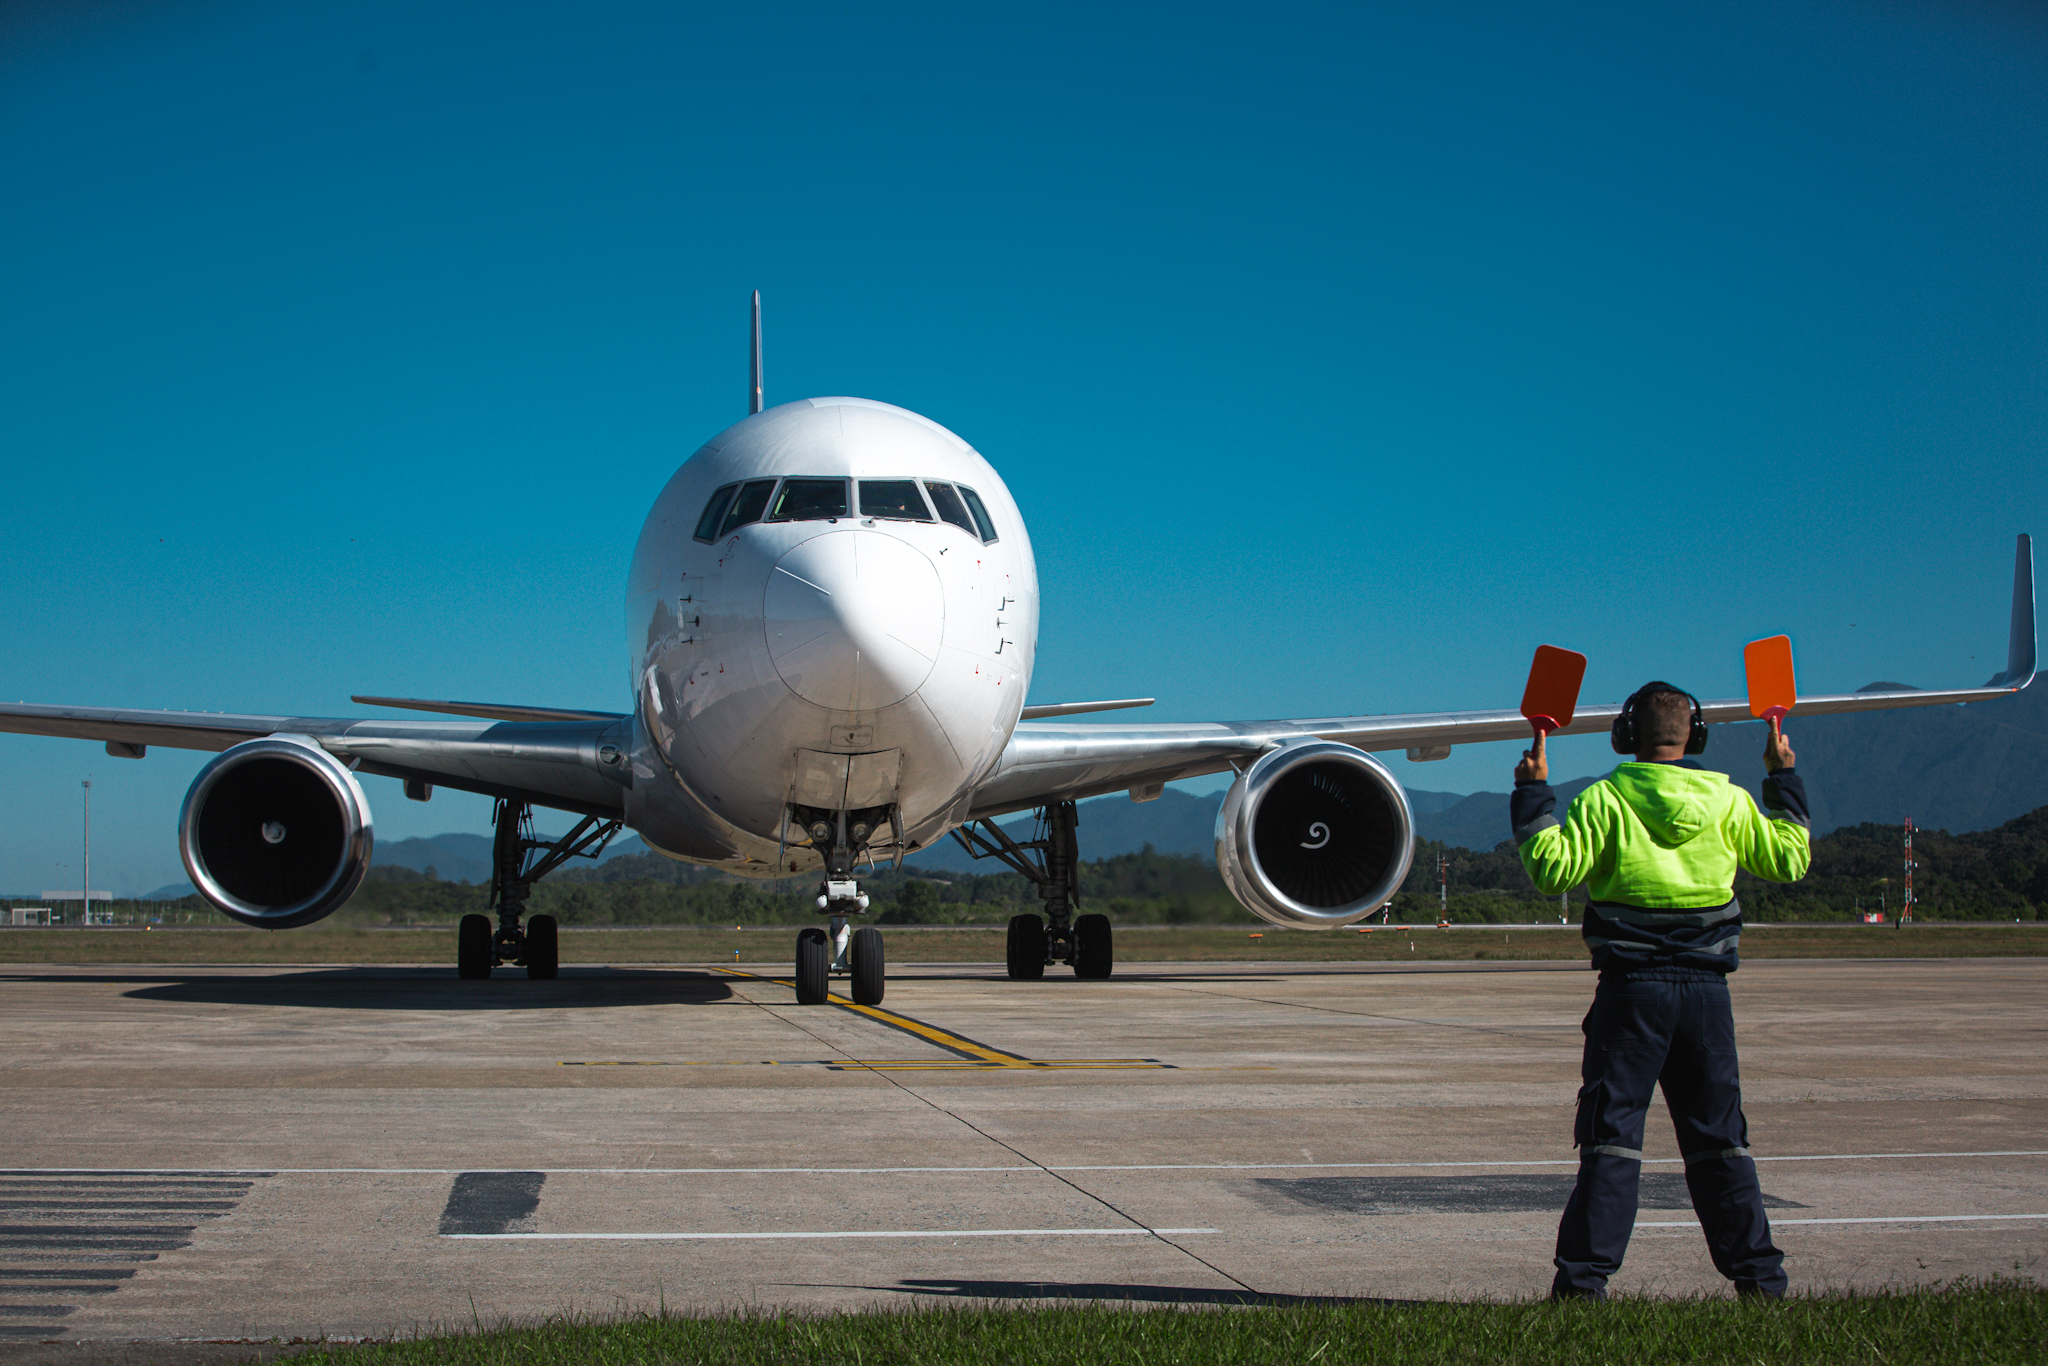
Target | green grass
(2000,1321)
(973,944)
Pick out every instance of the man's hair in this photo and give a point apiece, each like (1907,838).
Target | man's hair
(1662,718)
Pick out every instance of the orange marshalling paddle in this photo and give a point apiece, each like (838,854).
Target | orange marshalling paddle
(1772,688)
(1553,692)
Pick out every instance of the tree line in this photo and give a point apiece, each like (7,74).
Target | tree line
(1997,874)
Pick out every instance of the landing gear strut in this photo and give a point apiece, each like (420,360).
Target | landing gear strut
(1062,937)
(842,837)
(533,946)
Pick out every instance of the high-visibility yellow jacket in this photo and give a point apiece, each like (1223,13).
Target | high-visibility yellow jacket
(1657,845)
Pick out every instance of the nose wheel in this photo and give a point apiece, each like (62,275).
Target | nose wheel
(856,953)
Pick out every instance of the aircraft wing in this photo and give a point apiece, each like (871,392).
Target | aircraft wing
(1053,762)
(547,763)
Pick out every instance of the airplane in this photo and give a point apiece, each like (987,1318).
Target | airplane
(832,616)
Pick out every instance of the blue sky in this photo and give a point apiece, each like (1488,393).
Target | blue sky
(1337,355)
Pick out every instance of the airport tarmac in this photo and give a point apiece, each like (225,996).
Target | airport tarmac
(360,1152)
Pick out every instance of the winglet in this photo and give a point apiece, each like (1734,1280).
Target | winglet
(2020,658)
(754,388)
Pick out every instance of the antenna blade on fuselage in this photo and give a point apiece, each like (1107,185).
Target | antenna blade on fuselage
(754,389)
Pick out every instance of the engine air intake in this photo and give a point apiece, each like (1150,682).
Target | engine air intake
(276,833)
(1315,836)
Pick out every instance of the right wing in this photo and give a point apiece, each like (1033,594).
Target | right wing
(1053,763)
(548,763)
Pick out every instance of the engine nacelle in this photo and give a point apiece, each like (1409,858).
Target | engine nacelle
(276,832)
(1315,836)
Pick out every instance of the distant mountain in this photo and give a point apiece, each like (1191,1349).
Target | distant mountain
(1949,768)
(1480,821)
(467,858)
(454,858)
(170,892)
(1954,768)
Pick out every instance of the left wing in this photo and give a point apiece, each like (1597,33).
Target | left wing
(547,763)
(1054,763)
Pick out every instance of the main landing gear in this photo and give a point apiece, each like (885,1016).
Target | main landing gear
(842,837)
(533,946)
(1061,937)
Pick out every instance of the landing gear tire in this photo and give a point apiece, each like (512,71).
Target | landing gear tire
(813,966)
(543,953)
(1093,954)
(473,952)
(1026,948)
(865,954)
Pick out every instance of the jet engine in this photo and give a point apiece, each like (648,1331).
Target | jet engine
(1314,836)
(276,832)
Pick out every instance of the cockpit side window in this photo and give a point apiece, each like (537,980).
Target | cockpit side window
(748,506)
(981,521)
(951,509)
(707,525)
(808,500)
(892,498)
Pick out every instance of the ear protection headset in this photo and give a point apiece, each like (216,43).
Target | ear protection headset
(1623,735)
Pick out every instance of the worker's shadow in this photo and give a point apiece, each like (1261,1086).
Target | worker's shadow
(509,989)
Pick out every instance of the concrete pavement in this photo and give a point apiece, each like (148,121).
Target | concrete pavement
(257,1153)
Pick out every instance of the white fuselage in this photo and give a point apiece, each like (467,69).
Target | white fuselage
(877,657)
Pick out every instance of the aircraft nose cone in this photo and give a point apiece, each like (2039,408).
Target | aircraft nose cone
(854,619)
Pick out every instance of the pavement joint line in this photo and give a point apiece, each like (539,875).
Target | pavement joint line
(1007,1063)
(964,1046)
(1872,1219)
(1033,1167)
(837,1233)
(1362,1014)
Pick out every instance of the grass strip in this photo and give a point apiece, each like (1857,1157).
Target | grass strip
(344,944)
(1995,1321)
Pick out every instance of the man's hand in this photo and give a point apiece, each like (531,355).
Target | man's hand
(1534,768)
(1777,750)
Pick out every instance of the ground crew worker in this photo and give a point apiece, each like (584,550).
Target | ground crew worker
(1657,843)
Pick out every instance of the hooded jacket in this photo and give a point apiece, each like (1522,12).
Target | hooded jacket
(1657,845)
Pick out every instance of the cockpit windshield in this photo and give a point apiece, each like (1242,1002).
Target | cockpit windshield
(951,509)
(753,497)
(707,525)
(809,500)
(895,498)
(981,520)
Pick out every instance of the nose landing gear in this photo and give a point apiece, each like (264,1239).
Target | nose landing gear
(842,837)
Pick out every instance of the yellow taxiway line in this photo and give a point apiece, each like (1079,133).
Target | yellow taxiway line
(970,1055)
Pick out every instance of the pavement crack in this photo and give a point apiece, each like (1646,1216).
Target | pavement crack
(1011,1148)
(1363,1014)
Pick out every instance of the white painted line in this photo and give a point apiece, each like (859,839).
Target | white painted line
(1875,1219)
(853,1233)
(919,1171)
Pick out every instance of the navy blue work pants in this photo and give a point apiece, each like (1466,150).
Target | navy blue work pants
(1680,1032)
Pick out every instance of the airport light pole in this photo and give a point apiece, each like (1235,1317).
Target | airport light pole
(85,871)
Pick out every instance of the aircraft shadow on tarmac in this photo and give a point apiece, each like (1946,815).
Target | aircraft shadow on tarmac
(418,989)
(1101,1290)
